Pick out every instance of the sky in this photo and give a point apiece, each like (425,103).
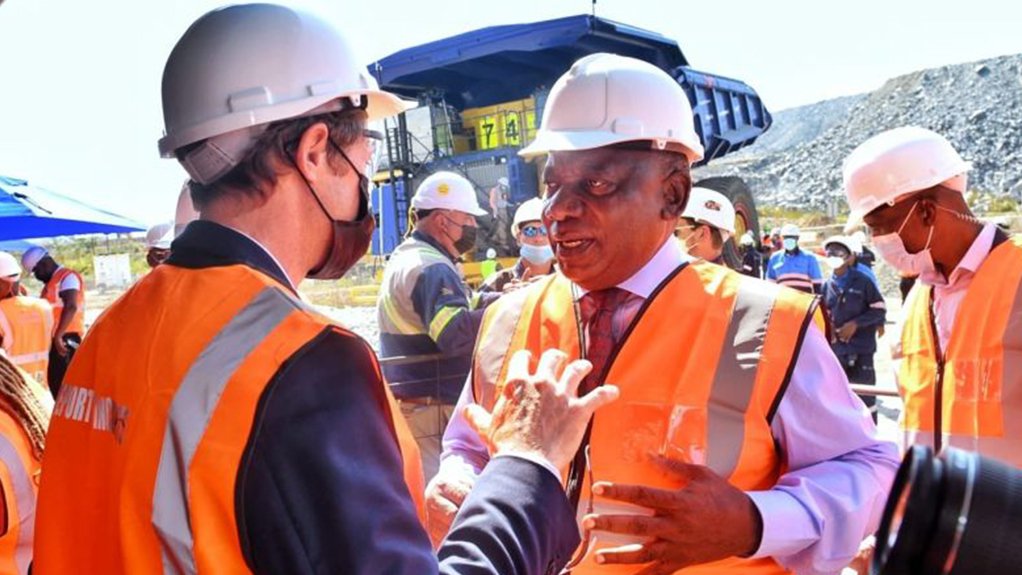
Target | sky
(80,102)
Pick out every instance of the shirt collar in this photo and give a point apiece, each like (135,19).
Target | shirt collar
(205,244)
(426,238)
(652,274)
(977,254)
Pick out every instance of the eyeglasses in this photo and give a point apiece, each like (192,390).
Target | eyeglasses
(533,231)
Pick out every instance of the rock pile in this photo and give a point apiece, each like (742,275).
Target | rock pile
(977,106)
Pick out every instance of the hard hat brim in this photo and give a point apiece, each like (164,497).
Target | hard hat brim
(566,141)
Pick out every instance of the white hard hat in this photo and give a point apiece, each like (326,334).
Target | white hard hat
(606,99)
(790,230)
(185,212)
(503,181)
(898,162)
(447,191)
(491,253)
(747,239)
(239,68)
(9,267)
(713,208)
(160,236)
(530,211)
(849,242)
(31,258)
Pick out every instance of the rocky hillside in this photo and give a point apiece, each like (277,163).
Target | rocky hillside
(978,106)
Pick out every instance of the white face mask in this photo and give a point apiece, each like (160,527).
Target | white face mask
(536,254)
(891,248)
(790,244)
(834,262)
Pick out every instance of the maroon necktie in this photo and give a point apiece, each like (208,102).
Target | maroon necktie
(597,310)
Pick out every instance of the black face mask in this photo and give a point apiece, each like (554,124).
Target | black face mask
(467,241)
(350,239)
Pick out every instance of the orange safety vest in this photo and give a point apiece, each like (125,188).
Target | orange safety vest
(26,328)
(51,294)
(19,471)
(154,416)
(701,372)
(978,379)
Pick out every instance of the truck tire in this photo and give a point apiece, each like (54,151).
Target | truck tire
(746,217)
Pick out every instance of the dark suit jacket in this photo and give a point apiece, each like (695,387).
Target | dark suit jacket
(320,488)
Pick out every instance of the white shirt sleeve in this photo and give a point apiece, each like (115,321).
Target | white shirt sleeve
(70,282)
(839,472)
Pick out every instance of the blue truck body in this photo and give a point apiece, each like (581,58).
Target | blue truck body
(493,65)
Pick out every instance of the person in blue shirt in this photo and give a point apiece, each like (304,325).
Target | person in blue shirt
(793,267)
(856,309)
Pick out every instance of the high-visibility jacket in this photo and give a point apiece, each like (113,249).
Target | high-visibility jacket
(26,328)
(150,426)
(701,370)
(19,472)
(971,394)
(51,293)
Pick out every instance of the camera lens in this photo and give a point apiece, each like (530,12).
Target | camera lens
(957,514)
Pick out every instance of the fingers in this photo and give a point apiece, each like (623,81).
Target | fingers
(637,525)
(551,364)
(652,497)
(518,366)
(599,397)
(636,553)
(573,375)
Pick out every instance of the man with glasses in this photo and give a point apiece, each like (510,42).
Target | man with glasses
(536,256)
(707,223)
(426,309)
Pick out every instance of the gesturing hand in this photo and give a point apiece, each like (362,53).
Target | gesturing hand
(707,519)
(539,414)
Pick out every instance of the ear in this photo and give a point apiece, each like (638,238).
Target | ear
(676,193)
(928,211)
(312,153)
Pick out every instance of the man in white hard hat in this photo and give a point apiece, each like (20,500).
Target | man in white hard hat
(26,323)
(736,444)
(706,224)
(64,289)
(213,422)
(959,375)
(536,257)
(752,259)
(157,242)
(793,267)
(425,308)
(856,310)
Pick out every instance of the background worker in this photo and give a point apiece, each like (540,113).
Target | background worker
(536,257)
(25,408)
(959,374)
(500,203)
(752,259)
(157,243)
(26,323)
(793,267)
(267,441)
(426,308)
(789,476)
(707,223)
(65,290)
(856,309)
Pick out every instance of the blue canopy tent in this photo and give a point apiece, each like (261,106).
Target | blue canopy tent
(28,211)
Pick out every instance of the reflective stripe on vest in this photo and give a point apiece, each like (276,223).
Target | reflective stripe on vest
(6,334)
(190,413)
(982,380)
(710,350)
(17,541)
(154,418)
(736,375)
